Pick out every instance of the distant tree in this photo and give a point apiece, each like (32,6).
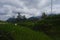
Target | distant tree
(24,17)
(18,17)
(44,15)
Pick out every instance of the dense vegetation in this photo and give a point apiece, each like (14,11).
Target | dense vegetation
(45,28)
(50,26)
(12,32)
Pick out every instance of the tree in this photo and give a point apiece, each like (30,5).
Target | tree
(44,15)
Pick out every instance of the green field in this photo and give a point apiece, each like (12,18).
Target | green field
(23,33)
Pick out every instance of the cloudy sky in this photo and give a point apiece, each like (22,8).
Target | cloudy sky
(9,8)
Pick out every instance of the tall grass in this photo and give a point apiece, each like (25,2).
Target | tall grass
(23,33)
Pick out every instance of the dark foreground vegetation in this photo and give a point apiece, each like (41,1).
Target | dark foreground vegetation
(45,28)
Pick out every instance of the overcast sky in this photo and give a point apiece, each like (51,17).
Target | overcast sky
(9,8)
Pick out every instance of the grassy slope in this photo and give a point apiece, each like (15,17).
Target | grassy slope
(21,33)
(54,23)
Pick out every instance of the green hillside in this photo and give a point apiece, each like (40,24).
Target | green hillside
(50,26)
(21,33)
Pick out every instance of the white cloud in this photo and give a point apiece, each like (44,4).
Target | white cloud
(27,7)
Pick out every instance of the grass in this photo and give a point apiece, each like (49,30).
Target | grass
(23,33)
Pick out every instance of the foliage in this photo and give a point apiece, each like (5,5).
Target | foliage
(23,33)
(50,26)
(44,15)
